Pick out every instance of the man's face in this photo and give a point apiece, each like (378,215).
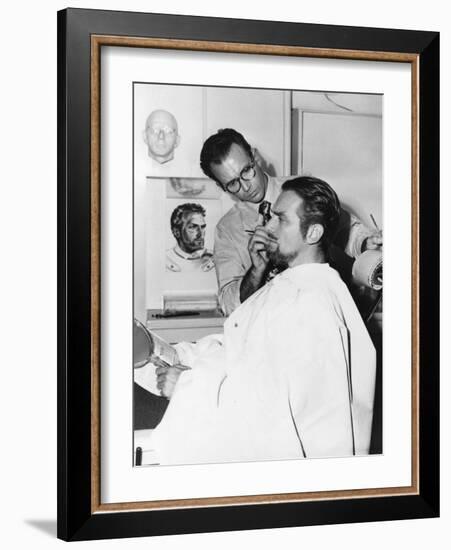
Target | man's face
(231,168)
(285,227)
(192,233)
(161,136)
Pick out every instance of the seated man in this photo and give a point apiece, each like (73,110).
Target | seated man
(293,375)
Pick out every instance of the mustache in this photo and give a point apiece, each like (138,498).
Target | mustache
(251,232)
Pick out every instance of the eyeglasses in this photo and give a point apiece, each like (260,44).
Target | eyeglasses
(246,174)
(167,131)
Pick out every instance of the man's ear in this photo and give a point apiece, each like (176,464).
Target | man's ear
(258,158)
(314,233)
(177,141)
(145,137)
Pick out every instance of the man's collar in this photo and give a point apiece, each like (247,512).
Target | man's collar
(188,255)
(306,271)
(269,192)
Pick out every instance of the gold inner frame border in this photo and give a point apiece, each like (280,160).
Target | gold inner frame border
(97,41)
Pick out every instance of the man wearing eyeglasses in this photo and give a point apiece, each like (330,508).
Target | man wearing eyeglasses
(241,241)
(240,258)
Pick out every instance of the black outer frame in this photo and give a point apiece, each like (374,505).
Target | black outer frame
(75,520)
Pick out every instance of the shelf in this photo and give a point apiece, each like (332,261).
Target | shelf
(189,329)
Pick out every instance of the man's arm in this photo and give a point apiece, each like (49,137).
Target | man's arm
(258,248)
(250,283)
(241,263)
(230,268)
(373,242)
(189,355)
(167,378)
(361,238)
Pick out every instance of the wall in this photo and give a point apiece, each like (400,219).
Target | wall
(262,116)
(338,137)
(28,275)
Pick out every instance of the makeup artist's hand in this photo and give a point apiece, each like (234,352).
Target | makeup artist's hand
(167,377)
(259,245)
(373,242)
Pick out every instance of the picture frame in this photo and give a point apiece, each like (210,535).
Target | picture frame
(81,36)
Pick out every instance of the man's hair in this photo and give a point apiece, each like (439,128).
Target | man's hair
(321,205)
(217,147)
(180,213)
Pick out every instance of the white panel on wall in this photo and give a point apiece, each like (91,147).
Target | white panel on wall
(346,151)
(139,250)
(338,102)
(185,103)
(260,115)
(155,242)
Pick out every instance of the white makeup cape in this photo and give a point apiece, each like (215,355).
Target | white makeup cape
(293,376)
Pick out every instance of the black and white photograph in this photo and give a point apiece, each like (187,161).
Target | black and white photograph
(257,274)
(248,274)
(226,258)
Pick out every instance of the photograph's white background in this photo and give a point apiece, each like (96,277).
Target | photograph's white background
(120,482)
(28,276)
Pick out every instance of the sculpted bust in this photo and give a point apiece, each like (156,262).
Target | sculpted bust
(161,135)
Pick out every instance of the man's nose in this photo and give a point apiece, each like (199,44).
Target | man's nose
(161,134)
(271,224)
(245,185)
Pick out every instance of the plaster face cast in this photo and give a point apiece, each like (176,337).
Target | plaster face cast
(161,136)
